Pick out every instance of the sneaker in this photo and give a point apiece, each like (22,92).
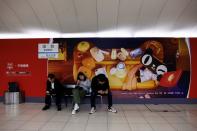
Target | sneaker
(74,112)
(93,110)
(113,110)
(59,108)
(46,107)
(76,107)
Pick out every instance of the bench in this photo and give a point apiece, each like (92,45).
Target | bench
(69,88)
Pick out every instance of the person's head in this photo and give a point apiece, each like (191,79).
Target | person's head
(81,76)
(51,77)
(101,78)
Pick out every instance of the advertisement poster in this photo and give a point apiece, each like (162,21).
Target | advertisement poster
(141,68)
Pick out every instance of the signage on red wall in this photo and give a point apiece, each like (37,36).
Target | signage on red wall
(46,51)
(17,69)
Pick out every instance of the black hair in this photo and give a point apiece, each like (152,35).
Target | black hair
(101,77)
(51,76)
(81,73)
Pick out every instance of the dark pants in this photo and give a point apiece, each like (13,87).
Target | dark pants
(93,98)
(78,94)
(56,97)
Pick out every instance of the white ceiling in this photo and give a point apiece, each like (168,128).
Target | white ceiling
(124,18)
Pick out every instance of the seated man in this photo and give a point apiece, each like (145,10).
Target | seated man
(54,89)
(100,85)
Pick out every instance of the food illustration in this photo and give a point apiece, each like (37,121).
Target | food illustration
(104,52)
(113,71)
(135,53)
(124,51)
(97,54)
(89,63)
(83,46)
(121,56)
(130,82)
(170,79)
(121,71)
(114,54)
(120,66)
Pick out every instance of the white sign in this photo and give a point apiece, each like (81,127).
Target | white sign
(48,51)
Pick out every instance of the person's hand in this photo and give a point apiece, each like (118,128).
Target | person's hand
(105,92)
(78,82)
(47,92)
(100,92)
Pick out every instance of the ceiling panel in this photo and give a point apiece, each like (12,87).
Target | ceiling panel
(171,12)
(3,27)
(9,18)
(188,19)
(87,15)
(66,15)
(107,14)
(150,11)
(194,28)
(46,14)
(128,13)
(81,16)
(25,13)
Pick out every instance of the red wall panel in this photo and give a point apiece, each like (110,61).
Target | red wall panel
(23,51)
(193,85)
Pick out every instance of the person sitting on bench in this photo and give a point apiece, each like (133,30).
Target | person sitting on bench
(81,89)
(100,85)
(54,89)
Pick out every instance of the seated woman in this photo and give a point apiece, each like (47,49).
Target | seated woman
(82,87)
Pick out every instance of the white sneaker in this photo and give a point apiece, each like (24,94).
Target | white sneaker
(74,112)
(76,107)
(93,110)
(113,110)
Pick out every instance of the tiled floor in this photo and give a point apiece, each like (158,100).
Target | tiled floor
(30,117)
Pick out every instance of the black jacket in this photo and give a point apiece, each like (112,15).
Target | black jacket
(58,88)
(96,86)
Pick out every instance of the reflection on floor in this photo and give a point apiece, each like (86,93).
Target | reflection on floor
(29,117)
